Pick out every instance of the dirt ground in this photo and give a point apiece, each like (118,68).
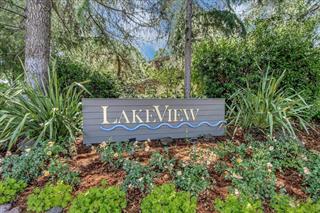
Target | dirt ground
(92,170)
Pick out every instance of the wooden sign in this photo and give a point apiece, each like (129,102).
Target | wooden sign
(142,119)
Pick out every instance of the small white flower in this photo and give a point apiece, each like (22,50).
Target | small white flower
(239,177)
(140,179)
(271,148)
(306,171)
(28,150)
(269,165)
(236,192)
(179,173)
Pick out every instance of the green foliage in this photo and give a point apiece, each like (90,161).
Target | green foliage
(161,163)
(269,108)
(50,196)
(254,165)
(33,114)
(166,78)
(26,167)
(193,178)
(223,65)
(100,85)
(254,177)
(98,199)
(9,188)
(311,173)
(234,204)
(114,153)
(60,171)
(138,176)
(287,154)
(164,198)
(286,204)
(253,172)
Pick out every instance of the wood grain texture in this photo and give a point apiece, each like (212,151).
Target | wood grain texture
(209,110)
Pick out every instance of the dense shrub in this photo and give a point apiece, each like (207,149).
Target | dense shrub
(254,165)
(50,196)
(138,176)
(311,173)
(252,172)
(27,166)
(268,108)
(287,154)
(161,163)
(164,198)
(35,114)
(100,85)
(242,204)
(193,178)
(253,177)
(113,153)
(9,188)
(59,171)
(109,200)
(223,65)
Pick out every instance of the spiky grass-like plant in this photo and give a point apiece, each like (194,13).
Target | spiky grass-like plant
(269,108)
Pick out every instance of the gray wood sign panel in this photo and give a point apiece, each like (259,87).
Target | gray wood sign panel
(142,119)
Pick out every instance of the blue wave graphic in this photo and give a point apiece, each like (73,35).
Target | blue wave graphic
(177,126)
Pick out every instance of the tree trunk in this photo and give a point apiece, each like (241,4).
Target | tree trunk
(37,41)
(188,49)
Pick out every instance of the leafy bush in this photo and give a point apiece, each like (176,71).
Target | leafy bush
(113,153)
(50,196)
(61,172)
(311,173)
(253,177)
(242,204)
(286,154)
(161,163)
(252,171)
(9,188)
(138,176)
(26,167)
(100,85)
(269,108)
(284,204)
(36,114)
(110,200)
(223,65)
(164,198)
(193,178)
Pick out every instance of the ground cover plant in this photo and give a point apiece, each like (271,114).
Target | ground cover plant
(43,199)
(9,189)
(99,199)
(165,198)
(247,173)
(241,204)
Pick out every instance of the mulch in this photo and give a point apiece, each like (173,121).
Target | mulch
(92,171)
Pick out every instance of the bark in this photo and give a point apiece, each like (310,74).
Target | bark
(37,41)
(188,49)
